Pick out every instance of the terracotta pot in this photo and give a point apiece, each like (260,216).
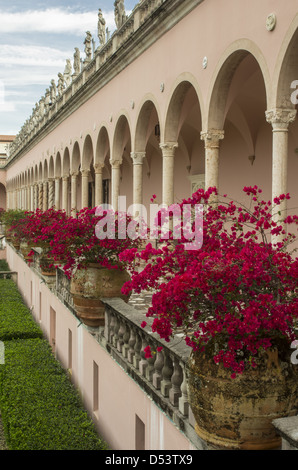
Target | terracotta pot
(25,249)
(47,266)
(15,243)
(89,285)
(238,413)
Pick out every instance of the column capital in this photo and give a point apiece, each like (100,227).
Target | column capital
(74,173)
(280,117)
(212,137)
(65,178)
(138,157)
(98,167)
(85,172)
(168,148)
(116,163)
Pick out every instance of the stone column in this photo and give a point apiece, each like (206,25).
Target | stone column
(65,193)
(85,180)
(40,196)
(98,167)
(45,196)
(32,197)
(168,154)
(51,197)
(28,197)
(212,140)
(74,182)
(57,193)
(138,159)
(116,171)
(280,120)
(36,196)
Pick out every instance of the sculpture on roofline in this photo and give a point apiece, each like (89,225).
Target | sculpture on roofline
(53,91)
(120,15)
(77,61)
(61,84)
(88,46)
(101,31)
(67,73)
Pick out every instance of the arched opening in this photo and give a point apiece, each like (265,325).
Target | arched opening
(122,179)
(184,125)
(238,105)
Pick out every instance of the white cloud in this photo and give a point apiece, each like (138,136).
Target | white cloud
(53,20)
(32,56)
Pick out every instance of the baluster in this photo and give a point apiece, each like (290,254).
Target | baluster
(167,371)
(177,378)
(143,362)
(116,329)
(112,327)
(107,324)
(137,355)
(126,337)
(121,332)
(158,365)
(131,343)
(150,366)
(183,400)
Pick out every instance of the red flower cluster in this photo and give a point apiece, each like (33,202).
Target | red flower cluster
(234,296)
(72,241)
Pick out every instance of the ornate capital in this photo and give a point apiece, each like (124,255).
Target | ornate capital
(85,173)
(212,137)
(74,174)
(280,118)
(116,164)
(98,167)
(138,157)
(168,148)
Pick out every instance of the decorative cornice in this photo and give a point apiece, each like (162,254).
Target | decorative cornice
(155,25)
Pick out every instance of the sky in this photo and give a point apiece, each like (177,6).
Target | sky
(36,38)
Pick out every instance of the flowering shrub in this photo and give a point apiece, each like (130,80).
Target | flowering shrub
(11,219)
(233,297)
(39,227)
(75,242)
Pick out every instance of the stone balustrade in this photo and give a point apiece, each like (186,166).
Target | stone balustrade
(163,376)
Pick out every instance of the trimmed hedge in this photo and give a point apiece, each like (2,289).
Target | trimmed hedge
(4,265)
(16,320)
(40,407)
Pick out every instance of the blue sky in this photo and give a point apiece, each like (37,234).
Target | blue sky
(36,38)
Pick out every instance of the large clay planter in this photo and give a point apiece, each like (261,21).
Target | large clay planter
(89,285)
(238,413)
(25,249)
(47,266)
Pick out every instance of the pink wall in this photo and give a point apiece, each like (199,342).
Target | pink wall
(120,398)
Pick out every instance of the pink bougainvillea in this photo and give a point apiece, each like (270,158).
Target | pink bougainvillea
(235,295)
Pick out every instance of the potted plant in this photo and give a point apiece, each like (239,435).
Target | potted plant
(235,298)
(12,219)
(92,264)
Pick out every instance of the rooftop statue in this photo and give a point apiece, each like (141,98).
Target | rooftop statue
(120,15)
(101,32)
(77,61)
(67,73)
(88,46)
